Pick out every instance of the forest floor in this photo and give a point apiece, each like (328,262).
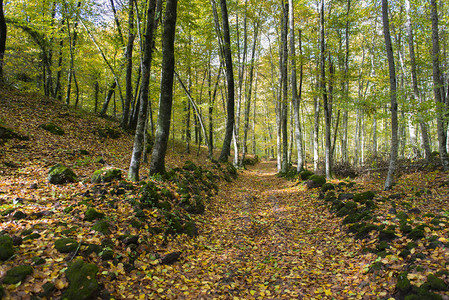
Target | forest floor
(260,236)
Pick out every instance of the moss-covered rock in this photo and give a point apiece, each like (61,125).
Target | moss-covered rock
(305,174)
(190,229)
(92,248)
(19,215)
(17,274)
(416,233)
(59,174)
(327,187)
(106,175)
(149,195)
(101,226)
(66,245)
(403,284)
(52,128)
(48,289)
(83,283)
(92,214)
(363,197)
(315,181)
(32,236)
(386,235)
(6,247)
(2,292)
(7,133)
(435,283)
(108,132)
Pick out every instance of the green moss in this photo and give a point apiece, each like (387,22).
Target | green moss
(52,128)
(319,180)
(416,233)
(106,175)
(305,175)
(402,216)
(48,289)
(436,283)
(383,245)
(101,226)
(32,236)
(17,274)
(363,197)
(92,214)
(327,187)
(6,247)
(403,284)
(66,245)
(59,174)
(38,260)
(190,229)
(82,281)
(386,235)
(149,195)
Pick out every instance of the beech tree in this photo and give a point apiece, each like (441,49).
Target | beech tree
(2,40)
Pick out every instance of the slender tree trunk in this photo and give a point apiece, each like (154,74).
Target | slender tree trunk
(57,92)
(226,150)
(437,85)
(96,93)
(344,143)
(157,165)
(133,173)
(3,32)
(327,111)
(129,65)
(316,129)
(284,87)
(248,98)
(295,97)
(393,100)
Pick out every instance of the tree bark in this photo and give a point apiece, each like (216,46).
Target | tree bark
(3,31)
(129,65)
(226,149)
(157,165)
(133,173)
(284,86)
(393,101)
(441,107)
(295,97)
(248,98)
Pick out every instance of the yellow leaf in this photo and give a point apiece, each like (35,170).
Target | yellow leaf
(427,229)
(252,292)
(327,292)
(59,284)
(160,290)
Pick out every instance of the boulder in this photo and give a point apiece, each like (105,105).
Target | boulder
(92,214)
(6,247)
(315,181)
(106,175)
(82,279)
(59,174)
(52,128)
(66,245)
(17,274)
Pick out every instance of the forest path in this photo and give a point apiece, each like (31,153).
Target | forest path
(268,238)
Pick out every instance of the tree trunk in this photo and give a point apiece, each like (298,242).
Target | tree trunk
(157,165)
(295,97)
(248,98)
(326,105)
(133,173)
(129,65)
(393,100)
(226,150)
(316,129)
(2,40)
(437,84)
(284,87)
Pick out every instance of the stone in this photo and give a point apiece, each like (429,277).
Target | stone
(52,128)
(92,214)
(190,229)
(106,175)
(436,283)
(66,245)
(19,215)
(315,181)
(59,174)
(101,226)
(6,247)
(82,279)
(17,274)
(345,196)
(170,258)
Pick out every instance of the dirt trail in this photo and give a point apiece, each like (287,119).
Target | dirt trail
(267,238)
